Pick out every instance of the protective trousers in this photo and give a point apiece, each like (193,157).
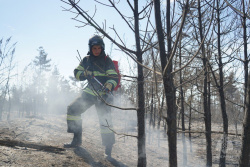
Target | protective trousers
(80,105)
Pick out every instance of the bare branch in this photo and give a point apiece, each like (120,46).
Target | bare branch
(121,134)
(236,10)
(195,53)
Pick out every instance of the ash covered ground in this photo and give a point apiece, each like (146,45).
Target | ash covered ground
(38,141)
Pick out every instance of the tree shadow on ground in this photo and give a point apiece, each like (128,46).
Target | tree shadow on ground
(115,162)
(26,144)
(85,155)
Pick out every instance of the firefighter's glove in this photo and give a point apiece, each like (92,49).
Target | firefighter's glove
(87,74)
(107,87)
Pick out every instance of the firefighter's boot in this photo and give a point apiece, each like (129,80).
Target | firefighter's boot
(108,150)
(76,142)
(74,126)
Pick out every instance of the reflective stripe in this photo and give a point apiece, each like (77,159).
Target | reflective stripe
(78,75)
(113,82)
(111,72)
(97,73)
(73,118)
(80,68)
(89,91)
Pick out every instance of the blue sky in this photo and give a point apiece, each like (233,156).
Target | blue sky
(35,23)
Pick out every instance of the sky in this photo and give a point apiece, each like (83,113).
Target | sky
(35,23)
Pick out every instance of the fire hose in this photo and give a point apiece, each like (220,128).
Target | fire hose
(103,87)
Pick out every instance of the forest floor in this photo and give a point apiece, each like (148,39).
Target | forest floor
(38,141)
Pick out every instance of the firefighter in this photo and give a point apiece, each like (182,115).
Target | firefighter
(94,66)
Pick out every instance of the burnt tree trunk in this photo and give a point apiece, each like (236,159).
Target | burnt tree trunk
(190,118)
(184,154)
(141,103)
(167,81)
(207,114)
(151,106)
(245,148)
(244,25)
(222,96)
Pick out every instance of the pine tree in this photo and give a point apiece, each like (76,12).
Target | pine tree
(42,65)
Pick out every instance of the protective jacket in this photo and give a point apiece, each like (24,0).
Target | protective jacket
(102,68)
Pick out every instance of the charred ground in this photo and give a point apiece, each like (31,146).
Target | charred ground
(38,141)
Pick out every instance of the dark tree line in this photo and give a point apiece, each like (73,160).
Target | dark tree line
(39,89)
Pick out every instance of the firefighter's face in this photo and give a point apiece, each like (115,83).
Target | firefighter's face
(96,50)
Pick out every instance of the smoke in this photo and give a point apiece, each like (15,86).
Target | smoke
(124,121)
(53,127)
(125,125)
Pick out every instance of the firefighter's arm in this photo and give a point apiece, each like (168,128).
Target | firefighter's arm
(81,73)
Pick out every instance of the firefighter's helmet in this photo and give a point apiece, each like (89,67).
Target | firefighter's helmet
(96,40)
